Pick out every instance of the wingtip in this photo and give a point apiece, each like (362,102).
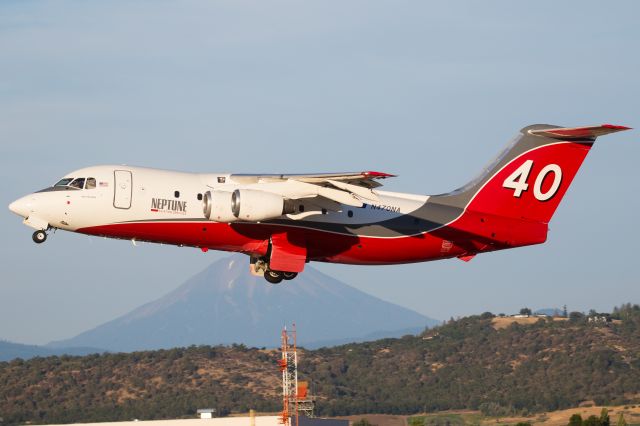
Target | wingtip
(377,175)
(616,127)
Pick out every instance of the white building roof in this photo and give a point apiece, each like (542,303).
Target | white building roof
(217,421)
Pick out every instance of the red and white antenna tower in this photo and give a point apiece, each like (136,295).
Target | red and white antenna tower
(295,398)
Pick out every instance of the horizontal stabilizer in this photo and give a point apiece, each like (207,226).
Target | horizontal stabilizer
(587,132)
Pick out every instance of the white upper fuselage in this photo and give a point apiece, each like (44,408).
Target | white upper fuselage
(125,193)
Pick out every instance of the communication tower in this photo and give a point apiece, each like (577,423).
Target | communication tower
(295,395)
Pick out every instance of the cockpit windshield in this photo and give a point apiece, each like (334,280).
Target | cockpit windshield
(74,183)
(77,183)
(63,182)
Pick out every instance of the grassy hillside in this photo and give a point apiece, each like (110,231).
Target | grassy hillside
(618,415)
(466,364)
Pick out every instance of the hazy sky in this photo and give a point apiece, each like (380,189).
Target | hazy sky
(428,90)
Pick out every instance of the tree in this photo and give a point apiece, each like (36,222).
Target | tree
(525,311)
(576,316)
(621,421)
(604,417)
(591,421)
(575,420)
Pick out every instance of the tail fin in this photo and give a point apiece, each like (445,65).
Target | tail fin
(528,180)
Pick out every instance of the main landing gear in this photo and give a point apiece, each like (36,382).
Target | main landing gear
(39,237)
(261,267)
(276,277)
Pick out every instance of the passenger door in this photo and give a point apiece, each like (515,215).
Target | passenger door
(122,189)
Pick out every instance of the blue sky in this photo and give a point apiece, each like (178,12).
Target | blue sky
(428,90)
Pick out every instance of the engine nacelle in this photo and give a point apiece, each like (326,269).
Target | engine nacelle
(254,206)
(216,206)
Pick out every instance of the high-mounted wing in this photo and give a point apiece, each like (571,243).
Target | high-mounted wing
(364,179)
(343,188)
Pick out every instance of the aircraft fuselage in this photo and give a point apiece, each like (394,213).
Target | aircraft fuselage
(284,221)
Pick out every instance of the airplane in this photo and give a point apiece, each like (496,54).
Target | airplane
(283,221)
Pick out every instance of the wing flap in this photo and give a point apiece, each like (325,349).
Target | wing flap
(296,190)
(339,196)
(334,188)
(357,190)
(367,179)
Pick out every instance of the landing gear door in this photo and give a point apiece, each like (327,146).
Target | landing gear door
(288,252)
(122,189)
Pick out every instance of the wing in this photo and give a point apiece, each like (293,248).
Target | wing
(344,188)
(364,179)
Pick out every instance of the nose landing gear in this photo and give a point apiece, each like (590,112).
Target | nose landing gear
(39,237)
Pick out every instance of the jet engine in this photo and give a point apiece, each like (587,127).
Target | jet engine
(244,204)
(216,206)
(254,206)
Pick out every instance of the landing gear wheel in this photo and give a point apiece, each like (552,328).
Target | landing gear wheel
(39,237)
(289,275)
(274,277)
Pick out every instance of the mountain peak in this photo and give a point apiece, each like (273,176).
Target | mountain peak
(225,304)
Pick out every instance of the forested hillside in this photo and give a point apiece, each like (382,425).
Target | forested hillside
(469,364)
(466,364)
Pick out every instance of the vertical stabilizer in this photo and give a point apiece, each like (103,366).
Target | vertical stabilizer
(531,176)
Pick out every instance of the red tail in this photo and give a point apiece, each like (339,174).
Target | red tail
(532,185)
(512,202)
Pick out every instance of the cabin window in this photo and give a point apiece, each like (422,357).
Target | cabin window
(63,182)
(301,208)
(176,194)
(350,213)
(199,197)
(324,211)
(77,183)
(91,183)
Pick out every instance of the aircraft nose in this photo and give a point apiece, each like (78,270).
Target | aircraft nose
(21,206)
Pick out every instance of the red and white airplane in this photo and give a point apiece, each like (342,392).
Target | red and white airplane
(284,221)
